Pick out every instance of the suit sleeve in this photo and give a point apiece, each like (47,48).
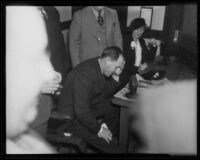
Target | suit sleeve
(117,34)
(82,95)
(74,38)
(111,87)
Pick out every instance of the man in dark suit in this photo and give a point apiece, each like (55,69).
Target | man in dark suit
(86,96)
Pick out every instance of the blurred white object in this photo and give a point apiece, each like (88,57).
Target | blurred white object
(168,118)
(27,68)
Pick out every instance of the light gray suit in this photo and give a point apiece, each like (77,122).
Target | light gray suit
(84,42)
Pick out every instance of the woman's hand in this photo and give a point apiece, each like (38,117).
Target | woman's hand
(154,42)
(142,67)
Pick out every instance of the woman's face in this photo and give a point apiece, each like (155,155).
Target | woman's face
(137,33)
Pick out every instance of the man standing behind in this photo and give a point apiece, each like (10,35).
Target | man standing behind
(92,29)
(85,97)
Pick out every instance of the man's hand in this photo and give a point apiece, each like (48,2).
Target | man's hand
(115,76)
(105,133)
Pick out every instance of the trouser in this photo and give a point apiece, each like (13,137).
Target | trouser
(110,115)
(100,144)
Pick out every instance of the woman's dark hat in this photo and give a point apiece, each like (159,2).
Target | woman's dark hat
(136,23)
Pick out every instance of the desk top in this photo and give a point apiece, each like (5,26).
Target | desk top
(172,69)
(126,102)
(121,102)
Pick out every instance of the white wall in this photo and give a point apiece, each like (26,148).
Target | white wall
(157,18)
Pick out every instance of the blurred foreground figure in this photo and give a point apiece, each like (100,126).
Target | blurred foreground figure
(28,68)
(167,119)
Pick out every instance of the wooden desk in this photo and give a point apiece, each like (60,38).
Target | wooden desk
(173,71)
(124,120)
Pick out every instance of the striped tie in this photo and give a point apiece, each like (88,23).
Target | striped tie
(100,18)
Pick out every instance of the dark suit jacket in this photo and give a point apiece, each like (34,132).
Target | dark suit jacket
(84,88)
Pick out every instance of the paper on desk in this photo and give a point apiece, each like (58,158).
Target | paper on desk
(151,83)
(143,84)
(161,82)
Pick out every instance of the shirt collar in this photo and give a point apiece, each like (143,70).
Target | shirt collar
(100,65)
(96,12)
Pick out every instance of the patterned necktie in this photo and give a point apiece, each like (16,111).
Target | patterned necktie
(100,18)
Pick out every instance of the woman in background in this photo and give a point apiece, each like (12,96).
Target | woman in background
(140,51)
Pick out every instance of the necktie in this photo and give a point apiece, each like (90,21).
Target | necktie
(100,18)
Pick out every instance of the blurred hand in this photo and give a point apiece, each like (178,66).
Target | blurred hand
(58,77)
(52,86)
(118,71)
(154,42)
(116,74)
(143,67)
(158,42)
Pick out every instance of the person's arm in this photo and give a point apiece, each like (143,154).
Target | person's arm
(81,93)
(74,38)
(117,34)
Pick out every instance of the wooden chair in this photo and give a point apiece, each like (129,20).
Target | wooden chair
(65,142)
